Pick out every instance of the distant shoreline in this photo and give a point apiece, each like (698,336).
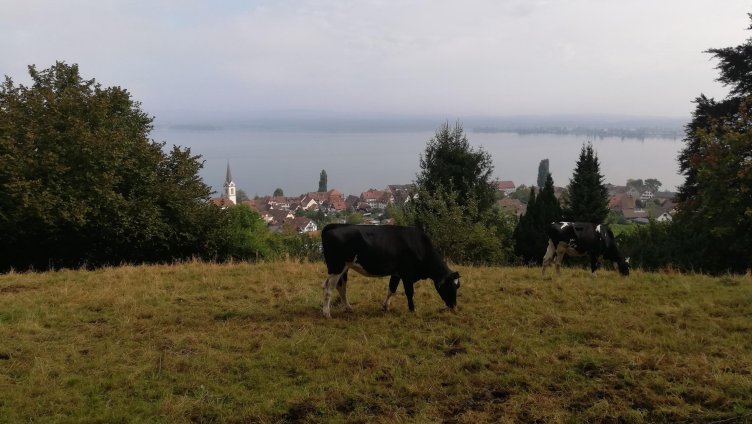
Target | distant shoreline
(600,133)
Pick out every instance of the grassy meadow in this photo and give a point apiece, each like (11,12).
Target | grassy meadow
(241,343)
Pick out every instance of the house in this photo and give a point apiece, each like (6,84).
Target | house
(376,199)
(316,200)
(507,187)
(513,206)
(635,214)
(308,203)
(621,201)
(664,217)
(276,216)
(352,201)
(647,195)
(401,194)
(222,202)
(303,224)
(633,192)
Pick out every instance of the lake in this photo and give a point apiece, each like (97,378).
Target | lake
(356,161)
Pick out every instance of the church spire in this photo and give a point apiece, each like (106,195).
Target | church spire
(228,178)
(229,186)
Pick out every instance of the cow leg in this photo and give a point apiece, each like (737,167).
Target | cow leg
(329,283)
(393,283)
(342,289)
(559,258)
(593,264)
(409,290)
(549,256)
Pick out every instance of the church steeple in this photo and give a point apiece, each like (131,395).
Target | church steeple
(229,191)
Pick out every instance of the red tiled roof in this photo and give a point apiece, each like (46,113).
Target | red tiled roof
(505,185)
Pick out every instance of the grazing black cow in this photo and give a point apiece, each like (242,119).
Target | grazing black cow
(376,251)
(582,238)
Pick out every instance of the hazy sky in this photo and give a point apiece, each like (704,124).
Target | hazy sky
(453,58)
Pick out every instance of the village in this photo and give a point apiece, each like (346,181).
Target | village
(306,212)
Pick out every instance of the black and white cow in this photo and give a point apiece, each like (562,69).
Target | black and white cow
(376,251)
(579,239)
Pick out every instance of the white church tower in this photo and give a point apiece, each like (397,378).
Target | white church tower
(229,191)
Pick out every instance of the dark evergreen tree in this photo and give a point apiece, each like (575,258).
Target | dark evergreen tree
(542,173)
(548,205)
(526,233)
(451,163)
(322,181)
(82,183)
(278,192)
(588,196)
(530,234)
(716,198)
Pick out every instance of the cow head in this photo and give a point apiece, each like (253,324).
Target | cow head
(447,289)
(624,266)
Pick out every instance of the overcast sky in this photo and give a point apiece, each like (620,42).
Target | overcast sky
(453,58)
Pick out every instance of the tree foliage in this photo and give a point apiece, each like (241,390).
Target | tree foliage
(461,231)
(543,173)
(530,233)
(455,201)
(82,183)
(715,201)
(451,163)
(588,196)
(278,192)
(322,181)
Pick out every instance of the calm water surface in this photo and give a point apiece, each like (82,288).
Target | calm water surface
(354,162)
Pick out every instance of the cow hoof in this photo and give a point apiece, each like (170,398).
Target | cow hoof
(349,308)
(327,315)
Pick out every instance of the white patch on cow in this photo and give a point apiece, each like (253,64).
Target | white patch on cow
(564,225)
(456,282)
(598,229)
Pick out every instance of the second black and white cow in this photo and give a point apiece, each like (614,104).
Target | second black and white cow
(404,253)
(579,239)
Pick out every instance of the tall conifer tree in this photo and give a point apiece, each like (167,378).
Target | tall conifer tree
(588,196)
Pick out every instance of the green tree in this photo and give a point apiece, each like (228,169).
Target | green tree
(455,201)
(543,172)
(354,218)
(588,196)
(82,183)
(462,233)
(548,205)
(247,237)
(278,192)
(451,163)
(715,201)
(242,196)
(637,184)
(530,234)
(527,234)
(653,184)
(322,181)
(521,193)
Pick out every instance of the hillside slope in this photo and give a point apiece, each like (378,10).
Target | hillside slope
(246,343)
